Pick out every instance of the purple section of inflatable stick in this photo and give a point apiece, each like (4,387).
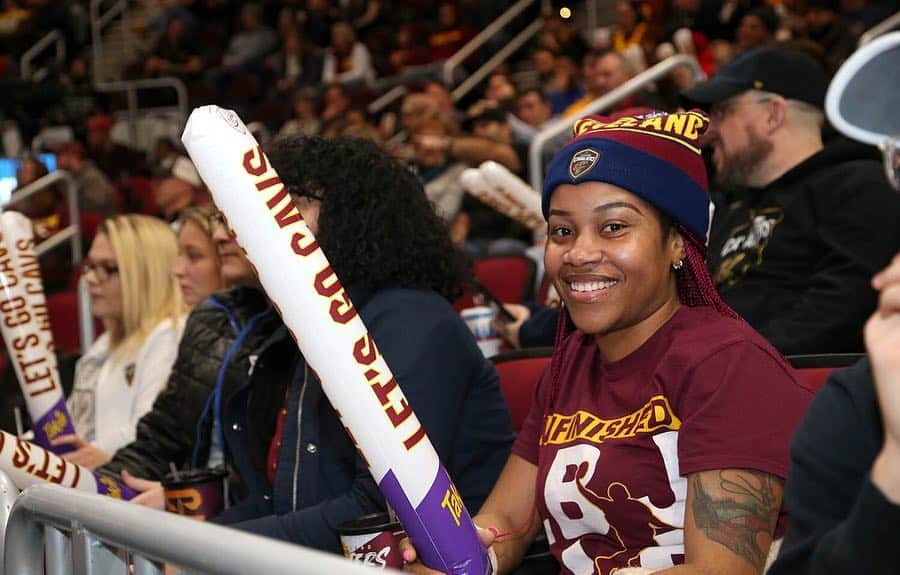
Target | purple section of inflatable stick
(54,423)
(440,542)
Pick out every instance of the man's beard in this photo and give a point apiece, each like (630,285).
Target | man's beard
(738,168)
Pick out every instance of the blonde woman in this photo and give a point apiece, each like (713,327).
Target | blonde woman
(197,267)
(133,292)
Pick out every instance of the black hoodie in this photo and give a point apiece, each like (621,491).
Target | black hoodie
(795,258)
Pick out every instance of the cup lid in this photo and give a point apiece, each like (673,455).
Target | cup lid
(369,524)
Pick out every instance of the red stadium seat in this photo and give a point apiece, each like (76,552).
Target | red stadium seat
(510,278)
(519,373)
(815,369)
(64,324)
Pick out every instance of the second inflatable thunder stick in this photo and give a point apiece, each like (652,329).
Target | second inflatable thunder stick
(299,280)
(25,324)
(26,464)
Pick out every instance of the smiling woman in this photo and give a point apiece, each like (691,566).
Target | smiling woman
(659,434)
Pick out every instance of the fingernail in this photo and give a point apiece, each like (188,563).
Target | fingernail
(408,556)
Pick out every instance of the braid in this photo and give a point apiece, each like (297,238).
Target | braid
(695,284)
(556,362)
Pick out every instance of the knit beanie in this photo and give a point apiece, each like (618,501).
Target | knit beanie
(655,156)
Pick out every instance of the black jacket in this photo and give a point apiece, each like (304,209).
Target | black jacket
(840,522)
(795,258)
(240,326)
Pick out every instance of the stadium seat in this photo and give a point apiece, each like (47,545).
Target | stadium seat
(510,278)
(64,324)
(519,373)
(815,369)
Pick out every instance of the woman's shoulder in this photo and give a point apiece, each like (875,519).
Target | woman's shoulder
(702,334)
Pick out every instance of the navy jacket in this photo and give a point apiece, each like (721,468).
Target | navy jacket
(321,481)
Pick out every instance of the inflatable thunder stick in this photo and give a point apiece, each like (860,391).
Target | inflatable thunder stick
(26,464)
(25,324)
(476,182)
(314,306)
(525,198)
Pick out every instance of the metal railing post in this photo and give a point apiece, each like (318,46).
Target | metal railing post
(52,37)
(8,494)
(558,127)
(479,40)
(57,551)
(877,30)
(481,73)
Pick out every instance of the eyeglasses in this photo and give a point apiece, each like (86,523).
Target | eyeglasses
(890,149)
(102,270)
(215,219)
(721,110)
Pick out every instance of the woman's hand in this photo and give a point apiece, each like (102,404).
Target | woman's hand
(152,493)
(509,330)
(882,335)
(85,454)
(413,565)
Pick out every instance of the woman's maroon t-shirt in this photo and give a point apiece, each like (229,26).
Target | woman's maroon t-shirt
(614,451)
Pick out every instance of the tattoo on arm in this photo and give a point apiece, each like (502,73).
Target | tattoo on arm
(739,509)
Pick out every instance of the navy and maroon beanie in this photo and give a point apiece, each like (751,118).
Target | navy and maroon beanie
(654,155)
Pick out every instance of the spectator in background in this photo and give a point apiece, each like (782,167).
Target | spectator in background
(804,226)
(441,96)
(533,111)
(246,48)
(347,61)
(306,118)
(175,52)
(95,192)
(129,274)
(863,14)
(118,161)
(437,170)
(826,26)
(335,103)
(609,71)
(297,64)
(757,28)
(449,36)
(631,29)
(42,207)
(197,267)
(318,20)
(500,91)
(564,88)
(410,49)
(179,188)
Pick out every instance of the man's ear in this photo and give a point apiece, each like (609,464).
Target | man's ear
(776,116)
(676,243)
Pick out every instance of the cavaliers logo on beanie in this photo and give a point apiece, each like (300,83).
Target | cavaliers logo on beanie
(653,155)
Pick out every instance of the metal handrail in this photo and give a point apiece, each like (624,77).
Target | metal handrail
(86,526)
(71,233)
(561,125)
(8,494)
(131,88)
(54,37)
(482,72)
(386,99)
(456,60)
(882,27)
(98,23)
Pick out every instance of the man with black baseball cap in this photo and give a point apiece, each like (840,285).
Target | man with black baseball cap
(805,225)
